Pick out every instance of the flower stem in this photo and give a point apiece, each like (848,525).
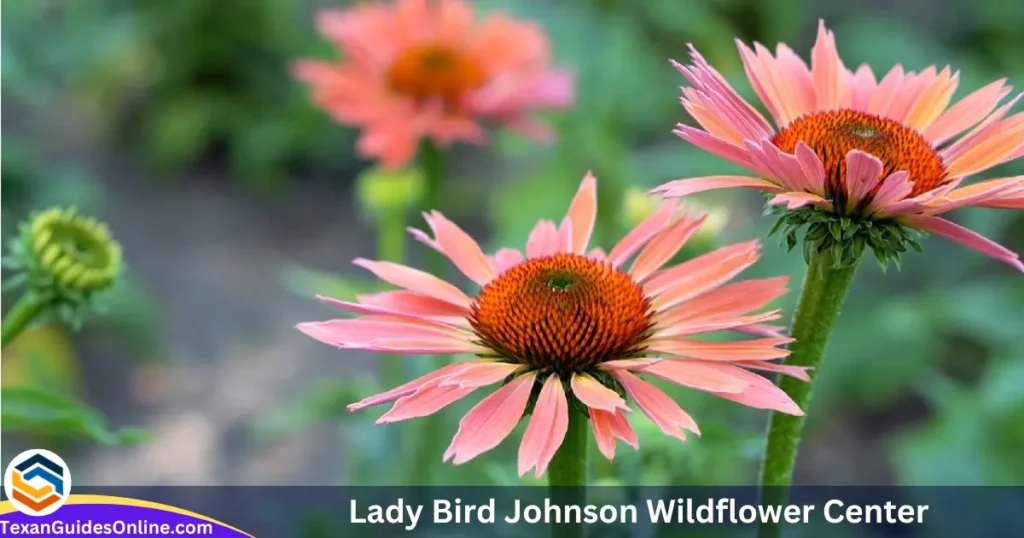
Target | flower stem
(24,312)
(429,443)
(824,289)
(567,474)
(391,246)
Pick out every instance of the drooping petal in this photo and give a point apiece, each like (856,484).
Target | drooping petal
(415,280)
(404,304)
(730,300)
(968,238)
(608,427)
(480,374)
(352,332)
(761,394)
(430,398)
(629,364)
(491,421)
(662,410)
(794,200)
(713,145)
(696,375)
(412,386)
(685,187)
(546,430)
(976,194)
(991,147)
(594,395)
(744,350)
(799,372)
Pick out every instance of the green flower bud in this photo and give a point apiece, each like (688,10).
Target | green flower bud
(65,260)
(384,192)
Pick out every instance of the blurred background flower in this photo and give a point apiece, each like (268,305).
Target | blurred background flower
(178,124)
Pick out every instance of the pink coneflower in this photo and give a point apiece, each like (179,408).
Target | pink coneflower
(564,326)
(416,69)
(846,144)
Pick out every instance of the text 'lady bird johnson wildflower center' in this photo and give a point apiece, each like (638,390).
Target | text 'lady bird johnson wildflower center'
(721,511)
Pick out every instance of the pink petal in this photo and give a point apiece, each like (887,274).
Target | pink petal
(696,375)
(685,187)
(546,430)
(491,421)
(863,171)
(461,249)
(893,191)
(933,100)
(714,145)
(480,375)
(799,372)
(664,246)
(744,350)
(350,332)
(968,238)
(412,386)
(967,112)
(989,148)
(658,407)
(611,426)
(827,69)
(629,364)
(543,240)
(407,304)
(794,200)
(862,86)
(886,92)
(761,394)
(583,214)
(709,325)
(415,280)
(744,118)
(730,300)
(703,273)
(506,259)
(643,233)
(594,395)
(760,329)
(977,194)
(427,400)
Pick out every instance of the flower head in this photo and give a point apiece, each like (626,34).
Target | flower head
(854,159)
(416,69)
(65,259)
(563,325)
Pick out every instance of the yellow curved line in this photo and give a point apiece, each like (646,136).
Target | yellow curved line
(25,487)
(6,507)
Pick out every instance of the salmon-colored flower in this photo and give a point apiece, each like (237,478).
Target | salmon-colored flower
(415,69)
(566,326)
(846,144)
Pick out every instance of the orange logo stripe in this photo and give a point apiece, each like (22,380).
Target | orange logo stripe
(38,506)
(25,487)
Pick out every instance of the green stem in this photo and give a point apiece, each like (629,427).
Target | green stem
(391,246)
(824,289)
(567,473)
(430,442)
(21,316)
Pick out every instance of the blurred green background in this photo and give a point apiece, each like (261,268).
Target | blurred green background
(177,122)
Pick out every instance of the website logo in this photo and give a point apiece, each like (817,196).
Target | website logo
(37,482)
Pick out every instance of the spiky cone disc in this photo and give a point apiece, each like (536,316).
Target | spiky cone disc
(65,260)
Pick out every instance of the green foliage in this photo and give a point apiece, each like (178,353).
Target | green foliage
(35,411)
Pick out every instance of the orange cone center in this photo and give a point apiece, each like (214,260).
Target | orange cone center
(436,71)
(835,133)
(563,313)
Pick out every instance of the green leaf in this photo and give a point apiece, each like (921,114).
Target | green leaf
(36,411)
